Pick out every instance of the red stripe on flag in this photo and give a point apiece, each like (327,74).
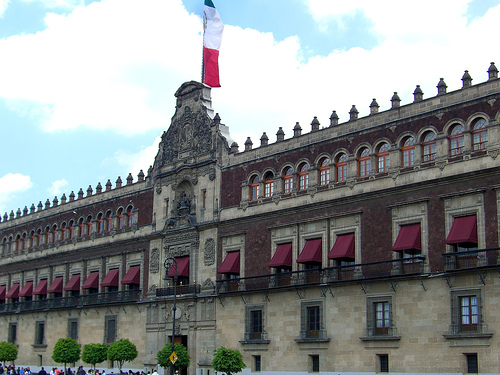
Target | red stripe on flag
(211,67)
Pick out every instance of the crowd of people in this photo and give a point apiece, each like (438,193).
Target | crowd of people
(13,370)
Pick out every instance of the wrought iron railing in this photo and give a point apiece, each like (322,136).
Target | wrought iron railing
(180,290)
(373,270)
(462,260)
(95,299)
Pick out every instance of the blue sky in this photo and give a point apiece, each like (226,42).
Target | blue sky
(86,87)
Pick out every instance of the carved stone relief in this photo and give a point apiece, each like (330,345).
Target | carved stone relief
(209,253)
(154,261)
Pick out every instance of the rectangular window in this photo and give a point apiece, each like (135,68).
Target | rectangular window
(379,316)
(383,362)
(110,330)
(204,199)
(13,333)
(314,363)
(256,324)
(312,321)
(472,366)
(254,327)
(73,328)
(40,333)
(257,363)
(382,318)
(466,311)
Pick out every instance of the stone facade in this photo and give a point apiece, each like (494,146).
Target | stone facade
(365,246)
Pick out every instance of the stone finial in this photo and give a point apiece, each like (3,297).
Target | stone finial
(98,188)
(441,86)
(130,179)
(0,218)
(18,212)
(297,130)
(32,208)
(150,170)
(118,183)
(80,193)
(47,203)
(72,196)
(5,217)
(353,113)
(264,140)
(55,201)
(234,148)
(11,215)
(395,100)
(216,121)
(140,176)
(374,107)
(63,199)
(280,135)
(25,210)
(466,80)
(314,124)
(40,206)
(418,94)
(334,118)
(492,72)
(89,191)
(108,185)
(248,144)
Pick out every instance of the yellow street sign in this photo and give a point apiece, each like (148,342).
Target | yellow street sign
(173,357)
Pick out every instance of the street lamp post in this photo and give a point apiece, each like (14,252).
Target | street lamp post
(169,263)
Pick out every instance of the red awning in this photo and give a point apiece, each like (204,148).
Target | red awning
(409,238)
(3,290)
(73,283)
(111,279)
(56,286)
(92,281)
(282,257)
(133,276)
(27,290)
(41,288)
(13,291)
(463,230)
(182,267)
(343,247)
(231,264)
(311,252)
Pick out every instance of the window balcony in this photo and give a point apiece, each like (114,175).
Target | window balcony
(469,259)
(191,289)
(61,303)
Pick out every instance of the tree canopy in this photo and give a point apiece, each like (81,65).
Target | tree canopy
(122,351)
(228,360)
(8,352)
(66,351)
(94,353)
(183,358)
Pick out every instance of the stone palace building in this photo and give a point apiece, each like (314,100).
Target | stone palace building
(364,246)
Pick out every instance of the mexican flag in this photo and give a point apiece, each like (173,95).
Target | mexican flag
(212,36)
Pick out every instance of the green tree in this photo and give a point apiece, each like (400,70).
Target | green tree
(94,353)
(8,352)
(183,358)
(66,351)
(122,351)
(228,360)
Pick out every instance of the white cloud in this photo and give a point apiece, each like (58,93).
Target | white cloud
(10,185)
(3,6)
(56,187)
(58,3)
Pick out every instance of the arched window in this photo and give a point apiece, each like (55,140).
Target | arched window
(53,235)
(64,232)
(457,142)
(107,223)
(268,185)
(287,180)
(18,243)
(130,216)
(341,167)
(303,176)
(364,163)
(10,244)
(71,230)
(408,152)
(429,147)
(254,188)
(324,171)
(89,225)
(38,237)
(32,239)
(479,135)
(119,219)
(47,235)
(4,246)
(383,158)
(81,228)
(100,223)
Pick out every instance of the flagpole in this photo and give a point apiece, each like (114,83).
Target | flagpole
(203,47)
